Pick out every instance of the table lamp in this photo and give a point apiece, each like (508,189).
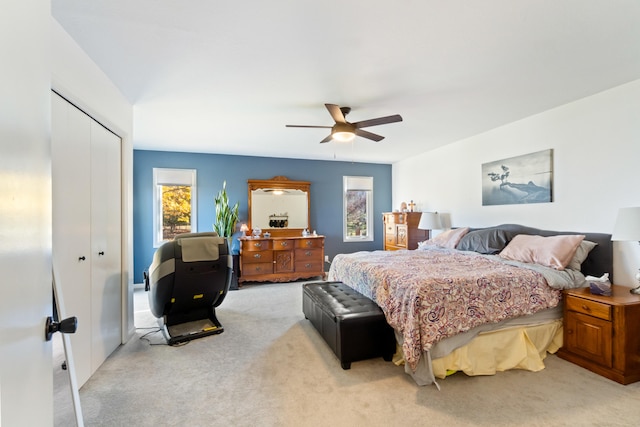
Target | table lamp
(244,228)
(429,221)
(627,228)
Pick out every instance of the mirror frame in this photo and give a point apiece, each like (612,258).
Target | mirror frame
(279,183)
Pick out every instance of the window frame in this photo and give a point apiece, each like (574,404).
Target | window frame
(358,183)
(172,176)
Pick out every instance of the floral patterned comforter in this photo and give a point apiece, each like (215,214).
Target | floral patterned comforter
(429,295)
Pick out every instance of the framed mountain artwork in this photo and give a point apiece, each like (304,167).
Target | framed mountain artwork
(518,180)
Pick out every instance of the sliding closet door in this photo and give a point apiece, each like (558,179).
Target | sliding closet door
(106,227)
(71,213)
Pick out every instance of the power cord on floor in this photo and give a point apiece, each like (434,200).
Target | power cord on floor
(154,330)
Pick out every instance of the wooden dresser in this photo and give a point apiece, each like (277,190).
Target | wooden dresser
(401,230)
(602,333)
(281,259)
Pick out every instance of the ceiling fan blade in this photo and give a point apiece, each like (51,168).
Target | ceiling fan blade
(368,135)
(378,121)
(308,126)
(336,113)
(327,139)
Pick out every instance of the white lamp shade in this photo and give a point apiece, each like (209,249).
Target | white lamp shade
(627,226)
(429,221)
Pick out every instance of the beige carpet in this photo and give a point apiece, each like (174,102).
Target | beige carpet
(271,368)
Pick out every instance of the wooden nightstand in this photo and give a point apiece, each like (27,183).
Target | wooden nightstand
(602,333)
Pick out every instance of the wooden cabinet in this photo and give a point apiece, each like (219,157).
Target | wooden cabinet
(401,230)
(602,333)
(281,259)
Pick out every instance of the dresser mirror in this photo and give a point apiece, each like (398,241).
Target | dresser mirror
(279,206)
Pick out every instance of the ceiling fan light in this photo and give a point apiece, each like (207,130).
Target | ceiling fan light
(344,136)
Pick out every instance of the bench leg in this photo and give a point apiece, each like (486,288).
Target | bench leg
(345,365)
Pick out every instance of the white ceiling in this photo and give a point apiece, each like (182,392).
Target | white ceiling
(227,76)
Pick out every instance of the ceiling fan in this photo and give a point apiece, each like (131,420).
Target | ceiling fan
(344,131)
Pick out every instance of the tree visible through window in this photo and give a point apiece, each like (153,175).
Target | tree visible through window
(356,213)
(358,208)
(174,203)
(176,210)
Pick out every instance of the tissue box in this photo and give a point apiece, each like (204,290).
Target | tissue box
(600,287)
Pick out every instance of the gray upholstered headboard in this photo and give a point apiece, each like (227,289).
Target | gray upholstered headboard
(600,259)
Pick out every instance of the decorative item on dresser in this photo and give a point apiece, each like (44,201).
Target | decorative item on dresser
(602,333)
(282,251)
(401,230)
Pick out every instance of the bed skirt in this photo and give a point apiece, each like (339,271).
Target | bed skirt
(516,347)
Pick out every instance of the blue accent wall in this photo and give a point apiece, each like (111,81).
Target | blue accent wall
(214,169)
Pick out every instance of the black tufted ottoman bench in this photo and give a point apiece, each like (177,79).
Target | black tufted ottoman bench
(354,326)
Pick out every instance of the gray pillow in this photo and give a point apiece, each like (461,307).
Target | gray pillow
(486,241)
(581,254)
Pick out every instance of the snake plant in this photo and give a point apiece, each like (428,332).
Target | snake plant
(226,216)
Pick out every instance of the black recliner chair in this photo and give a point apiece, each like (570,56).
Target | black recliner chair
(188,278)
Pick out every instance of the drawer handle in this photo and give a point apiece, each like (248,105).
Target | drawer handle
(308,253)
(257,255)
(307,266)
(258,244)
(258,269)
(585,308)
(308,243)
(284,243)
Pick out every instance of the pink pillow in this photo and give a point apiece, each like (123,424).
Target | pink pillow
(553,251)
(450,238)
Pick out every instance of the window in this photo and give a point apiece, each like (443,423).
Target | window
(358,209)
(174,203)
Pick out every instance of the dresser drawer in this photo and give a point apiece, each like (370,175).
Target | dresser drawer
(283,245)
(257,268)
(312,254)
(390,239)
(390,229)
(257,256)
(256,245)
(588,307)
(309,243)
(309,266)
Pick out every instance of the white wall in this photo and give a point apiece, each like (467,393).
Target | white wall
(596,150)
(25,214)
(76,77)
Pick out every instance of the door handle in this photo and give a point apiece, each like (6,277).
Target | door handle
(66,326)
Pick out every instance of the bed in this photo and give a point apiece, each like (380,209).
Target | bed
(477,300)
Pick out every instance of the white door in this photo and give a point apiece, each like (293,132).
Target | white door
(106,279)
(26,377)
(72,257)
(87,232)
